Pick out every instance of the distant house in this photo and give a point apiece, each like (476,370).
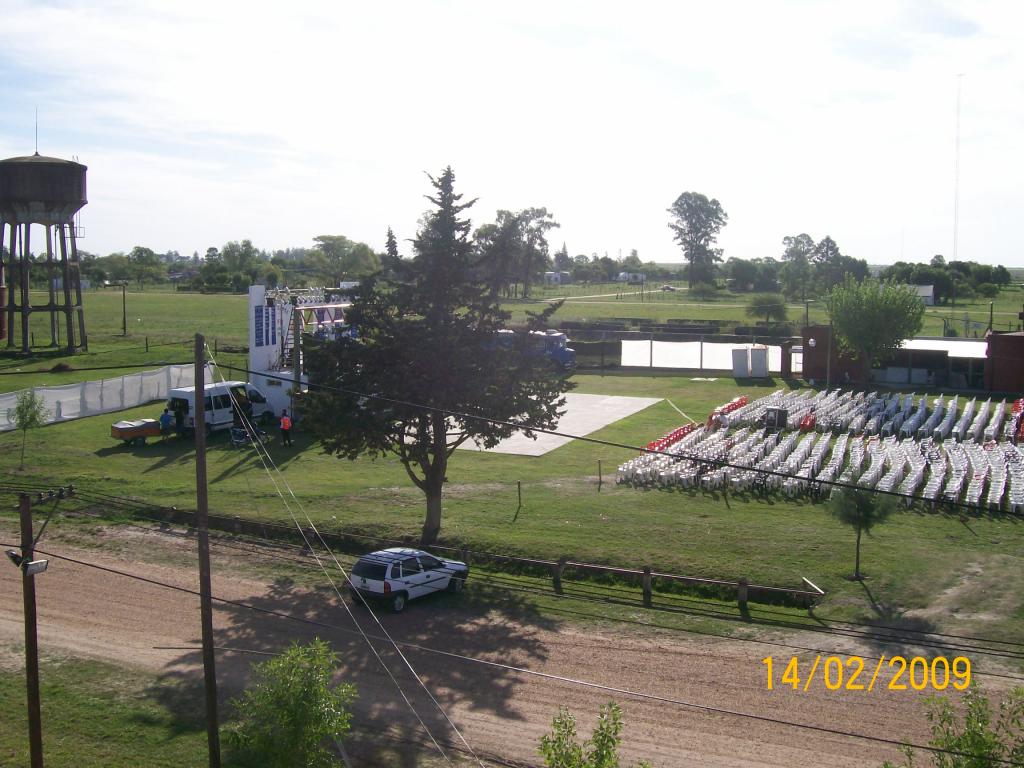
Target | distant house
(557,278)
(926,293)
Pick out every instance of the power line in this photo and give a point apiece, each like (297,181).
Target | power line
(264,459)
(589,594)
(525,671)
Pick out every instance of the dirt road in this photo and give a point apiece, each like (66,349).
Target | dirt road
(83,611)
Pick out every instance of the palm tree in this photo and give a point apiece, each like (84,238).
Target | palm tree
(862,509)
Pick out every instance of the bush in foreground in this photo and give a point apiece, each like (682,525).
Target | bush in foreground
(291,711)
(977,741)
(560,749)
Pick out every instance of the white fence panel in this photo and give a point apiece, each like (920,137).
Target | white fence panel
(91,398)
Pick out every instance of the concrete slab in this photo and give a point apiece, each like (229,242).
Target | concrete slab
(583,414)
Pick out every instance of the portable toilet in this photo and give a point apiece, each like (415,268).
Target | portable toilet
(759,362)
(741,363)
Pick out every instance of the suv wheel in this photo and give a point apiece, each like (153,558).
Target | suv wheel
(398,602)
(456,583)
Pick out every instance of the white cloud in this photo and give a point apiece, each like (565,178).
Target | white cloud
(216,121)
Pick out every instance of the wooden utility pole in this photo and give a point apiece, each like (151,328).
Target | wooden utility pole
(28,588)
(203,530)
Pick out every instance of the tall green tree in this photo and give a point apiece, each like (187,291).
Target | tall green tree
(862,509)
(561,747)
(145,266)
(563,262)
(770,306)
(798,247)
(499,247)
(872,318)
(427,344)
(30,412)
(696,222)
(291,712)
(391,246)
(796,270)
(345,259)
(536,223)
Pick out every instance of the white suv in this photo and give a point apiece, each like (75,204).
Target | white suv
(398,575)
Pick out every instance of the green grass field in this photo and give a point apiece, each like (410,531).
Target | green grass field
(600,302)
(165,318)
(914,560)
(96,716)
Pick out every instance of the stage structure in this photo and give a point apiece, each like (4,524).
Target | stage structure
(47,192)
(279,318)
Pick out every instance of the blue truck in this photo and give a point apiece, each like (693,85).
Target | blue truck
(552,344)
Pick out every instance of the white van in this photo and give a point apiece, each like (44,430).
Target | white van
(219,411)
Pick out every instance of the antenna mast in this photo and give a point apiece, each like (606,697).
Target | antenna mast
(956,172)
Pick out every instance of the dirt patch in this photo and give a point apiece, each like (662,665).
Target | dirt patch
(979,596)
(88,612)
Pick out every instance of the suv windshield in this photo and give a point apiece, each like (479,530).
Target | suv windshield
(374,569)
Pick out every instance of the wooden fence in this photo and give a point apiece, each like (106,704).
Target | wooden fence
(646,577)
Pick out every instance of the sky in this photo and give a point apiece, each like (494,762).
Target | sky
(208,122)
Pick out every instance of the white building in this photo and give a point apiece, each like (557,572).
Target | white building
(557,278)
(926,293)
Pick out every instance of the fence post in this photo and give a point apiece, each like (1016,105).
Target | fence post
(147,344)
(652,350)
(556,575)
(647,586)
(600,478)
(742,591)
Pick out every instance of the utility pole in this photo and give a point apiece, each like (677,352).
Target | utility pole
(203,530)
(828,360)
(28,588)
(124,310)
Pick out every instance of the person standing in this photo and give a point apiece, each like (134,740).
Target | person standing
(286,428)
(166,420)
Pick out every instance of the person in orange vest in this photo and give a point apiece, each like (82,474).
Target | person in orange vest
(286,428)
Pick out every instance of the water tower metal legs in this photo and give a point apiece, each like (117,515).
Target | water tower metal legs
(76,276)
(26,298)
(15,275)
(51,287)
(3,283)
(12,281)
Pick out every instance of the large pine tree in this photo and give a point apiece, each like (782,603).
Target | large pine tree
(424,372)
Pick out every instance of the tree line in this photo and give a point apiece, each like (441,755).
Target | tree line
(806,268)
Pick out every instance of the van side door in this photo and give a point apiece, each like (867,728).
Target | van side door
(222,411)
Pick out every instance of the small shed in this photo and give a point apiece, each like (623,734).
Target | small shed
(926,293)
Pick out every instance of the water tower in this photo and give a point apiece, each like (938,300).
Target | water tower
(48,192)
